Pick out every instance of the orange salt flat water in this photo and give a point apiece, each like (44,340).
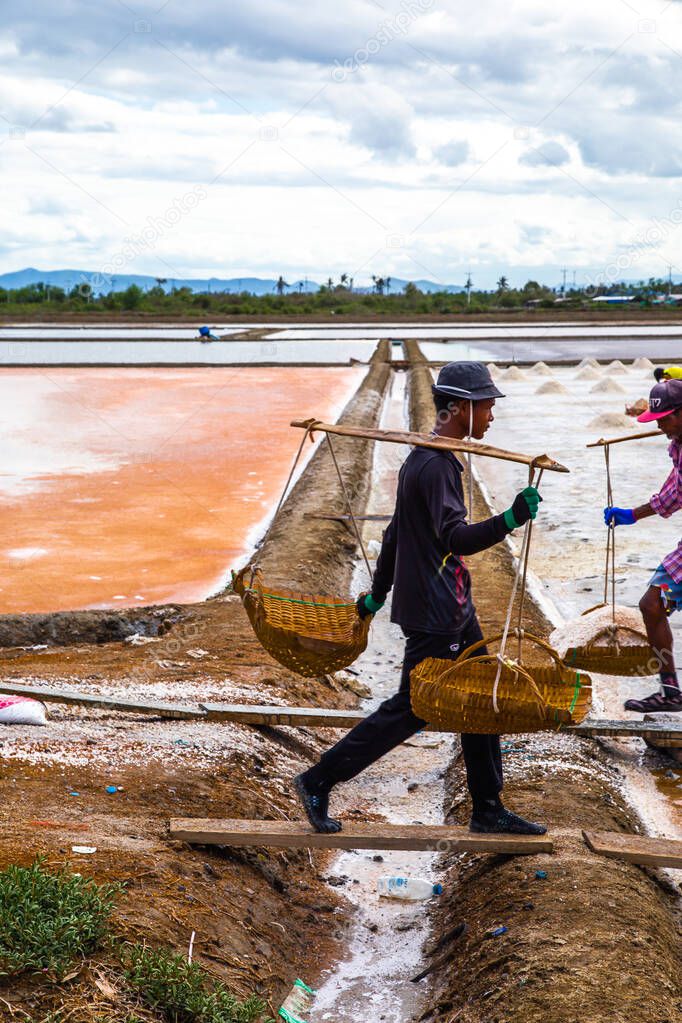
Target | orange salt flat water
(134,486)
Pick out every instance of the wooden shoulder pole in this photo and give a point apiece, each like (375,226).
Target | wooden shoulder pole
(424,440)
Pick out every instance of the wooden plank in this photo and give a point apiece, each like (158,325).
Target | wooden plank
(425,440)
(625,729)
(650,852)
(47,695)
(322,717)
(315,717)
(355,835)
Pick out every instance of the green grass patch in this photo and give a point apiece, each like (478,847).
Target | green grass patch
(50,920)
(184,992)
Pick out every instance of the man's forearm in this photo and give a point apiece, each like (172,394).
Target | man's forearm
(643,512)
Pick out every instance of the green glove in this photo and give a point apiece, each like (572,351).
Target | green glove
(525,507)
(367,605)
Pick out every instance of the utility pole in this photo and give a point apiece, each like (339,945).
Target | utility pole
(670,280)
(563,286)
(468,287)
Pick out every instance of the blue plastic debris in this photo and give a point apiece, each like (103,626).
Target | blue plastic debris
(111,789)
(74,793)
(541,874)
(498,932)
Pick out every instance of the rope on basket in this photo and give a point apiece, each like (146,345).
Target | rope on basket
(610,566)
(521,573)
(309,433)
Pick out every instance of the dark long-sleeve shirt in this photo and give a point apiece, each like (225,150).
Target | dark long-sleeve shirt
(423,545)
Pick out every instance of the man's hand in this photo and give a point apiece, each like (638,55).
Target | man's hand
(619,516)
(525,507)
(367,605)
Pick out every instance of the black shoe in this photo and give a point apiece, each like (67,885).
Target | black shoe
(316,806)
(656,703)
(499,821)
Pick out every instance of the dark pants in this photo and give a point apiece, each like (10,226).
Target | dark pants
(393,722)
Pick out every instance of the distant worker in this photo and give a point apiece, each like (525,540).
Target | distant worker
(421,559)
(664,595)
(206,335)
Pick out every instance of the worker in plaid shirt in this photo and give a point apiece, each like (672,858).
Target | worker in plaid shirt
(664,594)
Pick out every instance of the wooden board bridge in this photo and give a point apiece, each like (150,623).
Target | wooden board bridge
(638,849)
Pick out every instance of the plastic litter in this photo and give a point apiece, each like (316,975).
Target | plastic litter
(497,932)
(541,874)
(297,1003)
(411,889)
(84,850)
(74,793)
(21,710)
(111,789)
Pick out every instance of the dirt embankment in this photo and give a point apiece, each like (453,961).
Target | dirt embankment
(326,563)
(596,939)
(261,917)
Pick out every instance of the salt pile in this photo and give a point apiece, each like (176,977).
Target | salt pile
(607,386)
(610,420)
(588,362)
(588,373)
(579,632)
(514,373)
(616,367)
(551,387)
(643,363)
(541,369)
(492,369)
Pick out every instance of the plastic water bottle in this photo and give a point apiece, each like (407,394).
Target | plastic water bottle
(412,889)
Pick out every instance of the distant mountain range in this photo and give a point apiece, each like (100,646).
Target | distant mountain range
(68,279)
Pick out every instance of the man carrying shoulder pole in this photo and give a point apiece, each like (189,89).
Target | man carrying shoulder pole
(421,559)
(664,593)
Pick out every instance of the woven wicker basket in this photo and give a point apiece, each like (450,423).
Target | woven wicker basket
(311,635)
(458,696)
(604,654)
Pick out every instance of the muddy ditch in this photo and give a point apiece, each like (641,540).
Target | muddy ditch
(594,939)
(261,917)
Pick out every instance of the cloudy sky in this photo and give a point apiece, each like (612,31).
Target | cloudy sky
(416,138)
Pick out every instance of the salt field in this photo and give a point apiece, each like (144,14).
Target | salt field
(123,486)
(138,350)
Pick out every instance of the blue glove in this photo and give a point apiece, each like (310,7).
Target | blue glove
(619,516)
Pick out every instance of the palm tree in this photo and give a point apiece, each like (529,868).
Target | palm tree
(503,284)
(344,280)
(379,284)
(281,285)
(388,285)
(330,283)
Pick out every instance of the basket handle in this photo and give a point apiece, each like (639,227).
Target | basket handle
(524,675)
(466,654)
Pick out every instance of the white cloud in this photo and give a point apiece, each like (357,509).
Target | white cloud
(500,134)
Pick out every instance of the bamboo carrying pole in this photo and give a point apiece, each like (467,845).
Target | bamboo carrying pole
(618,440)
(423,440)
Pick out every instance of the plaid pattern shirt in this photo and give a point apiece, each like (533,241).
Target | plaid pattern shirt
(667,501)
